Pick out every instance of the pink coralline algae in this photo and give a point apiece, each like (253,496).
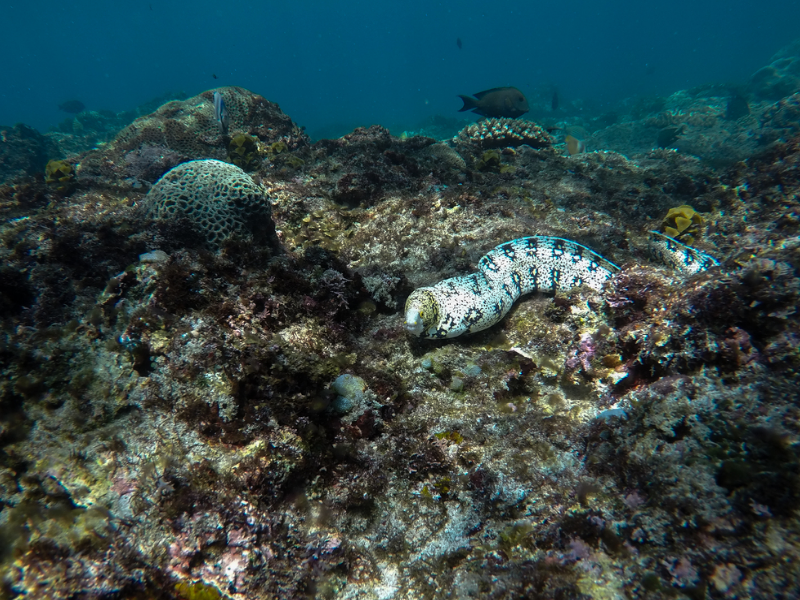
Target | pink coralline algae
(583,355)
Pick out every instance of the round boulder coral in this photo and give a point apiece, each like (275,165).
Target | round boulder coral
(189,128)
(218,199)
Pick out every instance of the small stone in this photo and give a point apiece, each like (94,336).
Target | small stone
(472,370)
(350,386)
(343,405)
(154,256)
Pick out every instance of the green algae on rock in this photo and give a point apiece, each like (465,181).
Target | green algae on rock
(61,175)
(243,152)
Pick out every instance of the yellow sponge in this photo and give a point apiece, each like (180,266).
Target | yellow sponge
(682,223)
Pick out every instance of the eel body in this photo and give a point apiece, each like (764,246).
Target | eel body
(474,302)
(679,256)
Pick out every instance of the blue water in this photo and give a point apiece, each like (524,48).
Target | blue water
(335,65)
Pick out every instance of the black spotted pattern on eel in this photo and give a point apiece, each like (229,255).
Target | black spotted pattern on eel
(475,302)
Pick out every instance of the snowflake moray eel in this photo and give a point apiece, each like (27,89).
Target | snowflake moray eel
(472,303)
(680,257)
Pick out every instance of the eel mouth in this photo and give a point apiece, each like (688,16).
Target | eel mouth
(422,311)
(414,322)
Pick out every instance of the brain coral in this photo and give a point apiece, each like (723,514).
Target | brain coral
(503,133)
(188,128)
(218,199)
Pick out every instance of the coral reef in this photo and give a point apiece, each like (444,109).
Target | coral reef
(782,119)
(446,159)
(92,128)
(693,122)
(183,420)
(369,164)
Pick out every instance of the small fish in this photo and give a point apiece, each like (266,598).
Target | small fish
(737,107)
(497,102)
(72,106)
(221,112)
(459,44)
(668,136)
(214,75)
(574,145)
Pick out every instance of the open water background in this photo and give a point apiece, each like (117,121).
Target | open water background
(335,65)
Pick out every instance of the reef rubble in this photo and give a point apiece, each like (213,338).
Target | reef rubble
(180,419)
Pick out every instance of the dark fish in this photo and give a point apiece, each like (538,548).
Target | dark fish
(737,107)
(72,106)
(214,75)
(459,44)
(221,112)
(668,136)
(497,102)
(554,101)
(574,145)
